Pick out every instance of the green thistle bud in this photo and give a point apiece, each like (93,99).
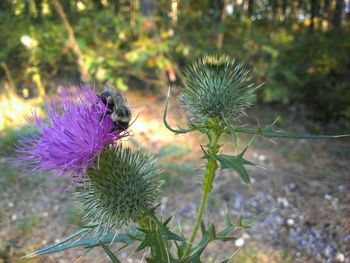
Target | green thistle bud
(122,189)
(218,88)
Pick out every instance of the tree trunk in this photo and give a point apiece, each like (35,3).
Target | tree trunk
(325,10)
(284,9)
(26,8)
(39,9)
(338,15)
(313,15)
(300,5)
(250,7)
(67,7)
(72,41)
(115,4)
(326,5)
(4,6)
(294,10)
(220,39)
(10,88)
(217,6)
(98,4)
(274,8)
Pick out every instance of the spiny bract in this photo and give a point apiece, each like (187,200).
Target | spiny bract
(217,87)
(123,188)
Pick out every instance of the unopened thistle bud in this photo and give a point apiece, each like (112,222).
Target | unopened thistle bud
(217,87)
(122,188)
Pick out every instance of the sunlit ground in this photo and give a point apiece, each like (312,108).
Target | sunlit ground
(14,111)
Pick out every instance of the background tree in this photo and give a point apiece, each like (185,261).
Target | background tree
(98,4)
(73,42)
(251,7)
(39,10)
(284,9)
(313,14)
(142,41)
(338,14)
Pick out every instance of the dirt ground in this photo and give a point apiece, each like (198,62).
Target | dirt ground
(305,185)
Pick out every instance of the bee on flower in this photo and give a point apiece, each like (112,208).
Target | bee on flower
(78,129)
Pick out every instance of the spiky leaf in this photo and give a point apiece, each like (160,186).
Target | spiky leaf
(249,222)
(109,253)
(79,239)
(269,132)
(157,238)
(236,163)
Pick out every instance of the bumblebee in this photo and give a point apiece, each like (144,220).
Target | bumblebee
(118,108)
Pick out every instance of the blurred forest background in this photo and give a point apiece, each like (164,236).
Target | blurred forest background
(299,49)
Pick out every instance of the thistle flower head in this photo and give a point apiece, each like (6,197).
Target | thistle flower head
(217,87)
(77,131)
(123,188)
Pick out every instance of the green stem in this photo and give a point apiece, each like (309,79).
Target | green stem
(209,176)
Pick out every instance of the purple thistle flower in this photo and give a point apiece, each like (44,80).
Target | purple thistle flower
(72,139)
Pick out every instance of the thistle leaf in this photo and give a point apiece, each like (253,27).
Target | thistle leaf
(149,240)
(234,138)
(209,235)
(228,229)
(269,132)
(166,222)
(76,240)
(249,222)
(157,237)
(211,232)
(236,163)
(159,250)
(109,253)
(173,150)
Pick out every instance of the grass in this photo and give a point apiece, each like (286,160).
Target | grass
(248,255)
(173,150)
(9,137)
(169,161)
(27,225)
(343,153)
(72,215)
(9,176)
(301,156)
(9,173)
(321,175)
(174,173)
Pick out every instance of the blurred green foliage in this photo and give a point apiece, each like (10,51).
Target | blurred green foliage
(8,139)
(124,48)
(27,225)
